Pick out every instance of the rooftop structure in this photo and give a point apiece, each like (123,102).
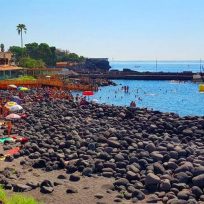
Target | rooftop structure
(5,58)
(9,68)
(66,64)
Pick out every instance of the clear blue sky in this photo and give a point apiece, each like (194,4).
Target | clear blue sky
(119,29)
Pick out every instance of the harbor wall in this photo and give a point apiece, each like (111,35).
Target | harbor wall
(141,76)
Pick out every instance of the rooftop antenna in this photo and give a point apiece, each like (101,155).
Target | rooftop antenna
(201,70)
(156,65)
(200,65)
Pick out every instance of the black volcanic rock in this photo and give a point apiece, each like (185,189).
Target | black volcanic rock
(146,150)
(97,64)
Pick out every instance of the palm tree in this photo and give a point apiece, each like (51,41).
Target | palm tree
(2,47)
(20,29)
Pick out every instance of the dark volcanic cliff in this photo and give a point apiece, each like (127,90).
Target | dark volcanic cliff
(88,65)
(97,64)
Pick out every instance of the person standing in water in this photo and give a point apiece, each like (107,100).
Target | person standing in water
(133,104)
(127,89)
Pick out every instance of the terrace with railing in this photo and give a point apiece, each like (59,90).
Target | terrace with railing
(52,82)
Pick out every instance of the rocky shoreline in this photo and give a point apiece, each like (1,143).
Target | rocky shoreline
(146,152)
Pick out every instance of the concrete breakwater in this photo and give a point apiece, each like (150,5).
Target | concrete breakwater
(146,152)
(153,76)
(185,76)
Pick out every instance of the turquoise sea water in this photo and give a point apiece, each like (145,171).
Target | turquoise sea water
(166,96)
(165,66)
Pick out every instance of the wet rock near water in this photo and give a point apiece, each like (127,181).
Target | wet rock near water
(145,151)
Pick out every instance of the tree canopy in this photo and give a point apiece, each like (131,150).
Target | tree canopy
(48,54)
(18,52)
(63,56)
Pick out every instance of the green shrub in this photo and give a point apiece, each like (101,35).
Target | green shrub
(23,78)
(16,198)
(28,62)
(20,199)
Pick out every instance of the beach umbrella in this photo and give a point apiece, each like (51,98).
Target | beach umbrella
(13,116)
(10,104)
(88,93)
(23,89)
(15,108)
(12,86)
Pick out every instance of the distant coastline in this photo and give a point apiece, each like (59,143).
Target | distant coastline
(163,65)
(159,61)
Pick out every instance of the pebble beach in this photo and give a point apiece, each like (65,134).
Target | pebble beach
(144,156)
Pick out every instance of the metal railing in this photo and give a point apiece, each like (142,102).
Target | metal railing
(4,84)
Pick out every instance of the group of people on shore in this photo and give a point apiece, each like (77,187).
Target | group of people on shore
(32,96)
(43,94)
(36,95)
(39,95)
(81,100)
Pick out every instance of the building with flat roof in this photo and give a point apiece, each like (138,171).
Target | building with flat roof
(5,58)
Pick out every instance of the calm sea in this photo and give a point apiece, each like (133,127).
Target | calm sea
(165,66)
(166,96)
